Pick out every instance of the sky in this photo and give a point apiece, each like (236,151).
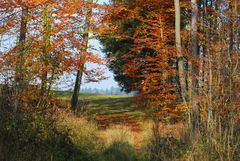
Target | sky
(103,1)
(110,81)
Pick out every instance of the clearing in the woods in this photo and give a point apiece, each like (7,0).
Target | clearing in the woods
(114,112)
(107,110)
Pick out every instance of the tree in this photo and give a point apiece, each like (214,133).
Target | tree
(145,63)
(47,27)
(194,86)
(82,61)
(181,70)
(52,40)
(19,76)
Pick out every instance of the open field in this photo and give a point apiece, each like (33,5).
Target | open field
(117,115)
(107,109)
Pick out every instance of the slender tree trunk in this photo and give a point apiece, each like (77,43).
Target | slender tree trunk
(19,78)
(210,92)
(201,57)
(231,71)
(181,72)
(78,81)
(195,108)
(210,70)
(190,82)
(180,57)
(161,28)
(51,81)
(45,57)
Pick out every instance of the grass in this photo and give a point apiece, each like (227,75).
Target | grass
(105,105)
(111,110)
(117,118)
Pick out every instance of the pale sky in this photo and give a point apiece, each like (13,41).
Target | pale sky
(103,1)
(106,83)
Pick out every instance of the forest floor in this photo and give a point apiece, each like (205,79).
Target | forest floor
(111,112)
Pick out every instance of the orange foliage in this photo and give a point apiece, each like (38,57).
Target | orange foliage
(65,19)
(154,37)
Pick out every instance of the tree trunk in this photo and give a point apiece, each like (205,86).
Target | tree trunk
(45,57)
(78,81)
(195,108)
(210,69)
(19,78)
(231,68)
(181,72)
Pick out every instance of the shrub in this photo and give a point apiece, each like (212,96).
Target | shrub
(33,136)
(120,151)
(163,148)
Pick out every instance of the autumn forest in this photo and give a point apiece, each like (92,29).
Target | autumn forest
(177,63)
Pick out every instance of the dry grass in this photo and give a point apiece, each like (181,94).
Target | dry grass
(139,138)
(117,133)
(82,132)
